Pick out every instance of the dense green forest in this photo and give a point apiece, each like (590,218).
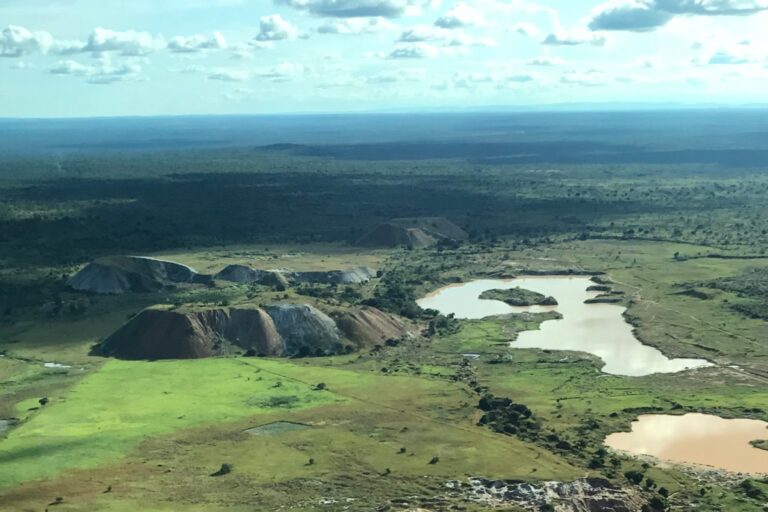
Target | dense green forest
(129,202)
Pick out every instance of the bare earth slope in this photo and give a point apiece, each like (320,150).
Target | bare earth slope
(158,333)
(305,330)
(281,330)
(370,326)
(244,274)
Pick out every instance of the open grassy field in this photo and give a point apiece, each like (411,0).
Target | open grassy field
(84,428)
(190,416)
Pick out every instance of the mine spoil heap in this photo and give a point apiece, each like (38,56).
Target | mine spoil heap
(287,330)
(416,233)
(123,274)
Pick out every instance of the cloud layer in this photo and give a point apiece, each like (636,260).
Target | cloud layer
(128,43)
(275,28)
(385,53)
(197,43)
(102,73)
(646,15)
(352,8)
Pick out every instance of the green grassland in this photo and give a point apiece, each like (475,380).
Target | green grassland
(190,416)
(113,409)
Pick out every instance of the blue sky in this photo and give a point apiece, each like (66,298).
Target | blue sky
(171,57)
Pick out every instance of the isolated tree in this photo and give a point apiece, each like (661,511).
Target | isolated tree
(223,470)
(634,476)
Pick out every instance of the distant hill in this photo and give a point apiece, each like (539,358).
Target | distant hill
(415,232)
(126,274)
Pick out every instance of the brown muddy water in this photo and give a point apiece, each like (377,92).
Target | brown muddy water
(598,329)
(697,439)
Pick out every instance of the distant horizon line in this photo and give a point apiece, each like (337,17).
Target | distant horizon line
(584,107)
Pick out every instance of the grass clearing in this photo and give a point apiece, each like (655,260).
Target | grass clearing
(191,416)
(112,410)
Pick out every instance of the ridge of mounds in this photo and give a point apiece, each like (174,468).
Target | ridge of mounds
(415,232)
(163,333)
(356,275)
(291,330)
(244,274)
(123,274)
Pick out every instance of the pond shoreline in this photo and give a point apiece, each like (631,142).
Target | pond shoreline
(703,442)
(598,329)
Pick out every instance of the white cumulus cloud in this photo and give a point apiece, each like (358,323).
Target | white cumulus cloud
(127,43)
(647,15)
(358,8)
(462,15)
(197,43)
(229,75)
(104,72)
(275,28)
(546,61)
(16,41)
(630,15)
(526,29)
(414,51)
(282,72)
(352,26)
(573,38)
(246,50)
(429,33)
(589,78)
